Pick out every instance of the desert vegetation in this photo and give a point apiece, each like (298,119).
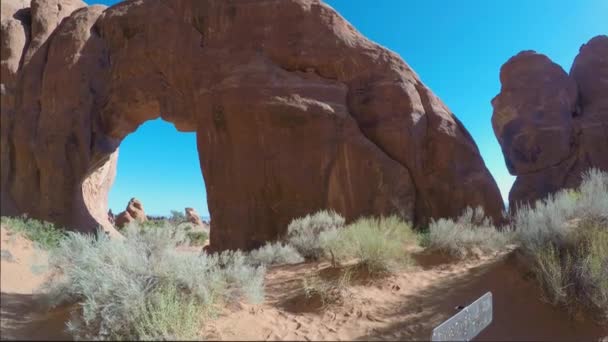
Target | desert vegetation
(144,287)
(566,236)
(470,233)
(44,234)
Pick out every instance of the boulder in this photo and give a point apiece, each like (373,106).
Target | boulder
(192,217)
(134,212)
(551,125)
(294,110)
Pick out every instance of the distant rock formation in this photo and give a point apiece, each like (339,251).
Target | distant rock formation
(294,110)
(552,126)
(192,216)
(134,212)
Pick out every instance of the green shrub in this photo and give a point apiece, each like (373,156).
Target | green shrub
(177,217)
(197,238)
(44,234)
(140,287)
(275,254)
(306,234)
(553,271)
(329,291)
(471,231)
(592,269)
(566,235)
(376,243)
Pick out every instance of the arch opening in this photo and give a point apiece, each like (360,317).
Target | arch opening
(159,166)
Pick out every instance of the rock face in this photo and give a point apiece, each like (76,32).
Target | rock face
(192,217)
(294,110)
(134,212)
(552,126)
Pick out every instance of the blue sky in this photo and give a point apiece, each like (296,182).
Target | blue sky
(456,47)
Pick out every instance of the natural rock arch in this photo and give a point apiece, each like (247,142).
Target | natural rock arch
(294,111)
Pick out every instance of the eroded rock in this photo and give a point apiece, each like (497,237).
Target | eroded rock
(133,213)
(294,110)
(552,126)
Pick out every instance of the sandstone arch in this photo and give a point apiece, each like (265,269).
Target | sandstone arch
(294,111)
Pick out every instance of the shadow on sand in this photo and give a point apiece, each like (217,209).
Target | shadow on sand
(26,317)
(519,312)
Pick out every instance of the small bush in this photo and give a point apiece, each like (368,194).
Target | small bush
(140,287)
(552,271)
(197,238)
(592,268)
(471,231)
(377,243)
(329,291)
(566,235)
(177,217)
(275,254)
(307,234)
(44,234)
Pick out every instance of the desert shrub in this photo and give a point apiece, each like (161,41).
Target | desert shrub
(307,234)
(376,243)
(470,231)
(566,236)
(183,233)
(197,238)
(275,254)
(177,216)
(592,269)
(550,220)
(44,234)
(329,291)
(552,271)
(140,287)
(593,196)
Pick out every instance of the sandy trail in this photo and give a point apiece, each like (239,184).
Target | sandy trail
(23,313)
(406,306)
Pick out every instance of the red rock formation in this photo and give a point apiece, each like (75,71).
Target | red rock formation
(552,126)
(192,217)
(134,212)
(294,111)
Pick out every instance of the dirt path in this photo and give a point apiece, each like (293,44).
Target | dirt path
(407,306)
(23,313)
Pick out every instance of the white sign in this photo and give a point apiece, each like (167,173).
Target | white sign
(468,323)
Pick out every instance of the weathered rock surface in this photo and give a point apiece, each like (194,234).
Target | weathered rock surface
(192,216)
(133,212)
(552,126)
(294,111)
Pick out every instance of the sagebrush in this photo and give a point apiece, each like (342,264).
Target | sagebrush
(566,236)
(44,234)
(276,253)
(471,232)
(140,287)
(307,234)
(379,244)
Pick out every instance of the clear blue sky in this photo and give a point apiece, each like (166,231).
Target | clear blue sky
(456,47)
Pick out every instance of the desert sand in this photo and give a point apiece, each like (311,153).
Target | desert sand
(404,306)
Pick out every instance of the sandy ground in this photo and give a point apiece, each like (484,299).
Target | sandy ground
(23,313)
(405,306)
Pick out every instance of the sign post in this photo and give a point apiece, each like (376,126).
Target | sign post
(467,323)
